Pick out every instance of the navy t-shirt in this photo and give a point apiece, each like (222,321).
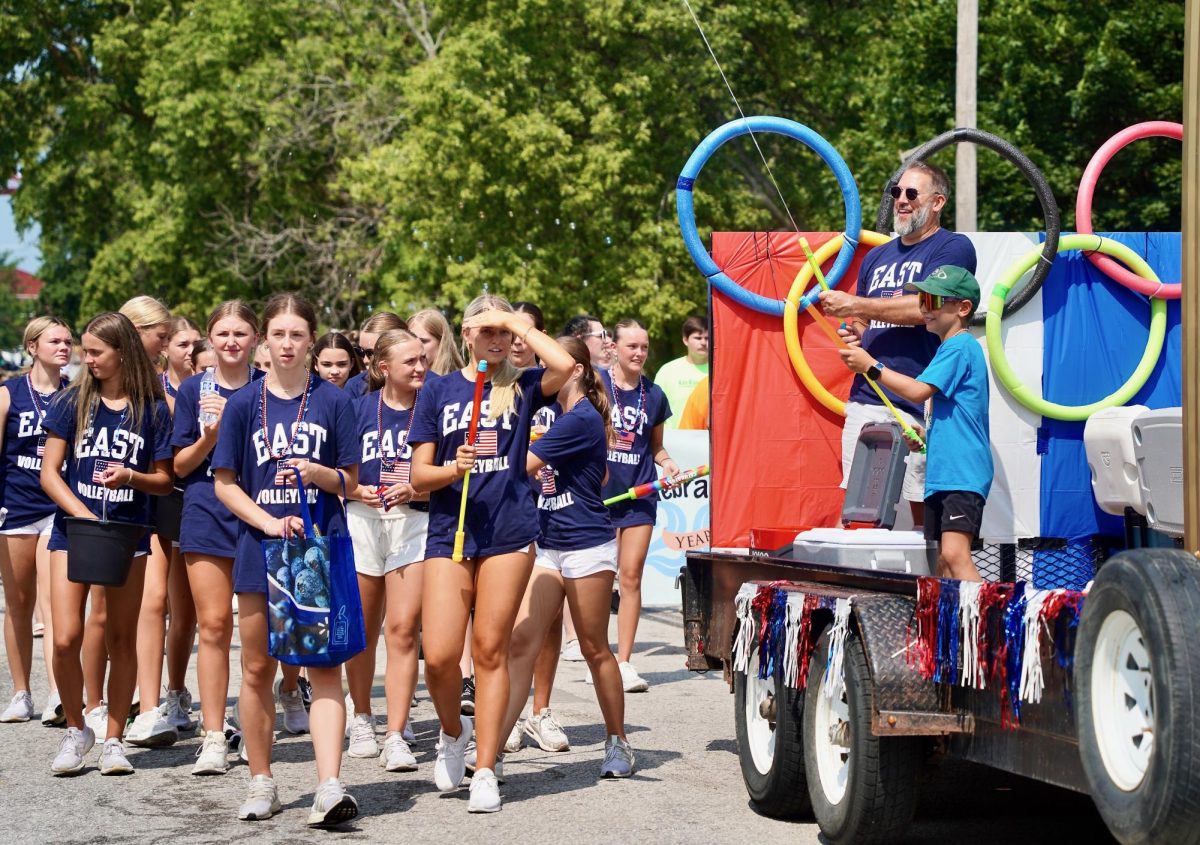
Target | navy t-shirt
(629,460)
(110,440)
(501,514)
(570,506)
(20,474)
(356,386)
(884,272)
(168,388)
(325,435)
(381,441)
(207,526)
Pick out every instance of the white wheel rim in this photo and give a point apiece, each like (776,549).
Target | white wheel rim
(1123,700)
(833,759)
(760,734)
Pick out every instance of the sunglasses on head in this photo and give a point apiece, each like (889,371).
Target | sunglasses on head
(934,302)
(910,193)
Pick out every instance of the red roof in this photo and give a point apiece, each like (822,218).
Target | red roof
(26,285)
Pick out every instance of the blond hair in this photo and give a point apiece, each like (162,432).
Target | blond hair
(447,359)
(383,347)
(382,321)
(233,308)
(505,388)
(146,311)
(36,327)
(139,381)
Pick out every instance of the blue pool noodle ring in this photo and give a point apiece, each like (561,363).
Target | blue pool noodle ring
(687,213)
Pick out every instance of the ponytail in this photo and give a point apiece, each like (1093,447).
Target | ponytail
(590,382)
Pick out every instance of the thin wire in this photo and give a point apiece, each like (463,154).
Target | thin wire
(753,137)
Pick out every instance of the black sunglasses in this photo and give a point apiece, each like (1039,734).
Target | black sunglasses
(896,191)
(364,353)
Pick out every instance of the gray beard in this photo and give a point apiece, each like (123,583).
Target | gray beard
(916,222)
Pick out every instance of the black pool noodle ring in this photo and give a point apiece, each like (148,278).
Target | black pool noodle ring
(1029,170)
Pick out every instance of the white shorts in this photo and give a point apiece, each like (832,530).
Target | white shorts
(383,543)
(41,528)
(859,415)
(581,562)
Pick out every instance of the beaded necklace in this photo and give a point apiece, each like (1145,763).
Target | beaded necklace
(38,407)
(287,450)
(395,458)
(612,382)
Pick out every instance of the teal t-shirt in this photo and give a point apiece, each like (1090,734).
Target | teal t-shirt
(959,450)
(678,378)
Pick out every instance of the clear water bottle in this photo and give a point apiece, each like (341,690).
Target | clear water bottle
(208,384)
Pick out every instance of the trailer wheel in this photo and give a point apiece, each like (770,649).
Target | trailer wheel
(1137,669)
(769,718)
(863,787)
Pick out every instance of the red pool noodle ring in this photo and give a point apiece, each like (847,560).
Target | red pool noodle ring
(1083,204)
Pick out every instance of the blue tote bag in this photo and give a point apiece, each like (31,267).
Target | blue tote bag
(314,608)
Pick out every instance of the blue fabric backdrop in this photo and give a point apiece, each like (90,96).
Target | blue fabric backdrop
(1095,331)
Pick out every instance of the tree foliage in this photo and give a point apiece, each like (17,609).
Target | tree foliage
(399,153)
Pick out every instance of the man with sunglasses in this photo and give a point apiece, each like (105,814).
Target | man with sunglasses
(887,320)
(957,439)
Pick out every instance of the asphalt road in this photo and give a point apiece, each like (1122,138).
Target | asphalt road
(687,788)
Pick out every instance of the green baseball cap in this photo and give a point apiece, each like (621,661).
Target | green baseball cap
(948,280)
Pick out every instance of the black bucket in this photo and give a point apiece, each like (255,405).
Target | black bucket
(168,514)
(100,551)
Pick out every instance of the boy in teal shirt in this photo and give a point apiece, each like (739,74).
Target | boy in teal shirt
(958,472)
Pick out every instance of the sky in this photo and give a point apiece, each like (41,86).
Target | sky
(22,251)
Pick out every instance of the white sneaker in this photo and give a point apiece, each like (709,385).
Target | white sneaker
(407,733)
(571,651)
(449,768)
(152,730)
(179,710)
(262,800)
(545,730)
(20,709)
(470,757)
(619,761)
(295,717)
(361,731)
(331,805)
(630,679)
(212,758)
(396,755)
(485,792)
(97,719)
(514,742)
(113,760)
(52,714)
(72,751)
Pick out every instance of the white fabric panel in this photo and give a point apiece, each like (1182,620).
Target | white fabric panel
(1013,506)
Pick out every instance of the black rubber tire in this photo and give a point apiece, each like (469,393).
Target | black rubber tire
(1028,169)
(782,792)
(1160,589)
(881,793)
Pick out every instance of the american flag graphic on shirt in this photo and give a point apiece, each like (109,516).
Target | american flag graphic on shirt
(486,443)
(546,476)
(100,467)
(624,442)
(400,473)
(41,447)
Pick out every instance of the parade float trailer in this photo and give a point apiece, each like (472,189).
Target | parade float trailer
(1077,661)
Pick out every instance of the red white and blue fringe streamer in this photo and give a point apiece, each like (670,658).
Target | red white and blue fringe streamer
(968,634)
(976,634)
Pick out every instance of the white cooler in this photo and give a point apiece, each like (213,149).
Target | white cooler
(1108,443)
(867,548)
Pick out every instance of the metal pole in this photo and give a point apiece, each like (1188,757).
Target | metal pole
(1191,276)
(966,76)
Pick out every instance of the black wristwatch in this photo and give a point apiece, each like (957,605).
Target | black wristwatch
(874,371)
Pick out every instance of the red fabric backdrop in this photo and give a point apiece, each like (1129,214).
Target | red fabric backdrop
(776,451)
